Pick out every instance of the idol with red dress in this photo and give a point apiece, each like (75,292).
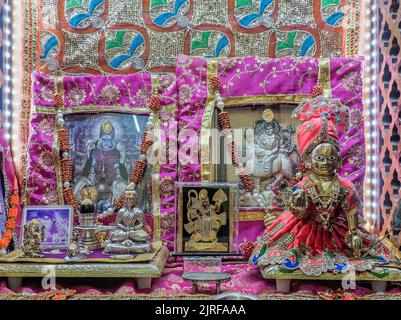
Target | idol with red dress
(322,231)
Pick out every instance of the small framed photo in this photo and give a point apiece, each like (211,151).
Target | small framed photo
(206,218)
(57,222)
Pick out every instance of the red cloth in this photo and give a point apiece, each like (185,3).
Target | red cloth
(314,113)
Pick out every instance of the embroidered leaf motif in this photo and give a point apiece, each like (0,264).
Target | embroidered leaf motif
(243,3)
(284,270)
(334,18)
(204,43)
(289,44)
(76,20)
(380,273)
(155,3)
(326,3)
(73,4)
(117,42)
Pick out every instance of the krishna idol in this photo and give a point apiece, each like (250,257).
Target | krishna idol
(321,231)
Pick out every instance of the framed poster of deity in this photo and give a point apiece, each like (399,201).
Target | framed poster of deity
(104,149)
(207,218)
(56,221)
(264,136)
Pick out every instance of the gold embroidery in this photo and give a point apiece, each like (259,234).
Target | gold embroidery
(324,77)
(207,123)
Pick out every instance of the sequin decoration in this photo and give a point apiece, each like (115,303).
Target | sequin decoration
(124,49)
(49,50)
(81,14)
(127,36)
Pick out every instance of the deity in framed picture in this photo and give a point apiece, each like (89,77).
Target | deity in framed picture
(206,215)
(105,148)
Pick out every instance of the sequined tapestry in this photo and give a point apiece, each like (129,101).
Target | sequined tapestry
(64,37)
(125,36)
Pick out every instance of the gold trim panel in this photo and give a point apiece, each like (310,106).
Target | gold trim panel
(152,269)
(324,77)
(262,99)
(156,170)
(251,216)
(207,119)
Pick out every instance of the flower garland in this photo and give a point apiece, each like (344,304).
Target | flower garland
(66,164)
(11,221)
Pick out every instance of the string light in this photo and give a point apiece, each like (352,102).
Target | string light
(7,91)
(370,107)
(16,74)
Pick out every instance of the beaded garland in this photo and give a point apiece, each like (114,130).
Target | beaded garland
(66,165)
(226,129)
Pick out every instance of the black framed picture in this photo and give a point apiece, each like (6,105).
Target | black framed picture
(206,218)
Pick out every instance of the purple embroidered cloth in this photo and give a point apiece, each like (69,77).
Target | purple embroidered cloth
(249,80)
(128,94)
(246,77)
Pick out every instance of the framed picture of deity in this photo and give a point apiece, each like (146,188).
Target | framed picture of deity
(57,222)
(104,148)
(89,130)
(206,218)
(265,138)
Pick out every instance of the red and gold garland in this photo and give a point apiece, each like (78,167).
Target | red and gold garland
(66,164)
(11,221)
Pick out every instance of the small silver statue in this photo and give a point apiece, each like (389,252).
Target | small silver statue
(129,237)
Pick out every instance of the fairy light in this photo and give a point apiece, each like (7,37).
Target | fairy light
(7,91)
(369,48)
(17,72)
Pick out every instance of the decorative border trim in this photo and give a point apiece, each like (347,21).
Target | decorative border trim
(276,98)
(352,31)
(31,8)
(153,268)
(92,109)
(156,169)
(206,166)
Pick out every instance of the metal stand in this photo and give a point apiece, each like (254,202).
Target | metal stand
(14,283)
(379,286)
(144,283)
(283,285)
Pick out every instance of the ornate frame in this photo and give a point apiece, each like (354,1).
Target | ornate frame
(86,94)
(257,80)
